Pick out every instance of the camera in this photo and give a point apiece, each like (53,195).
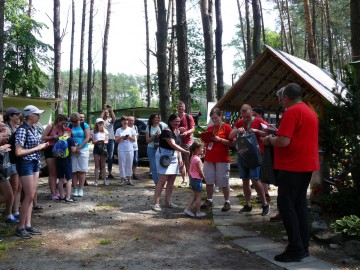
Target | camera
(108,106)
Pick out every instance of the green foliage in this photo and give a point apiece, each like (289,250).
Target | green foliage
(104,242)
(24,54)
(349,225)
(124,91)
(339,138)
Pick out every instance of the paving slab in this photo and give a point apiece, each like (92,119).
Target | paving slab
(255,244)
(235,231)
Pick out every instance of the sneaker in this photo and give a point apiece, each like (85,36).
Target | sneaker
(71,200)
(135,177)
(265,210)
(75,192)
(86,183)
(106,182)
(17,215)
(268,198)
(226,207)
(189,213)
(200,215)
(12,220)
(184,183)
(110,176)
(21,232)
(96,183)
(207,204)
(81,193)
(54,197)
(216,189)
(33,231)
(245,209)
(156,208)
(276,218)
(171,205)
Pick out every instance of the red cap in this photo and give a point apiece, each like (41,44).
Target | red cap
(68,129)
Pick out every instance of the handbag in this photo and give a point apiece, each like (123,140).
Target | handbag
(268,174)
(102,147)
(248,149)
(165,160)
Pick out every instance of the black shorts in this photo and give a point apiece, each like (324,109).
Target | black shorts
(48,152)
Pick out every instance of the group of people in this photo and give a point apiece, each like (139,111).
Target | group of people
(171,150)
(295,145)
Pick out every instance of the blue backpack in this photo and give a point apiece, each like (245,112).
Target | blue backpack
(61,148)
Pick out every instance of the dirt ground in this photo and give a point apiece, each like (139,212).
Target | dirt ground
(113,227)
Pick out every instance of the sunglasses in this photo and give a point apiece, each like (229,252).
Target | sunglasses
(74,121)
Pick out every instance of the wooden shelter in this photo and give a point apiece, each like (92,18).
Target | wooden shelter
(273,70)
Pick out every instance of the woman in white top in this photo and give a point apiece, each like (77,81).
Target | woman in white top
(100,139)
(125,136)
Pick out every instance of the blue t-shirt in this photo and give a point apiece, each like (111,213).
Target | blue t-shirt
(78,135)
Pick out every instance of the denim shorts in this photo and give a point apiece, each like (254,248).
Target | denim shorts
(248,173)
(196,184)
(136,158)
(28,167)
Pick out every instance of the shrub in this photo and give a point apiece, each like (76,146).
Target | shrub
(349,225)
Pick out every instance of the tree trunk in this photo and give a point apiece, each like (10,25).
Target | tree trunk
(329,37)
(30,8)
(2,19)
(310,34)
(291,36)
(248,35)
(171,66)
(161,40)
(104,59)
(355,26)
(71,75)
(257,28)
(355,38)
(81,66)
(90,66)
(283,30)
(183,54)
(219,59)
(262,23)
(57,57)
(247,61)
(148,82)
(206,7)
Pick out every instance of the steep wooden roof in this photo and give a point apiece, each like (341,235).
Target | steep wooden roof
(273,70)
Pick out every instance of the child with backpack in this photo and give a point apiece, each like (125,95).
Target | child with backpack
(196,176)
(62,153)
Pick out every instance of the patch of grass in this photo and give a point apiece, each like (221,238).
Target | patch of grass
(104,242)
(229,238)
(3,247)
(108,206)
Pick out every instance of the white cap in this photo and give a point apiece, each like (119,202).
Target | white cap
(31,109)
(98,120)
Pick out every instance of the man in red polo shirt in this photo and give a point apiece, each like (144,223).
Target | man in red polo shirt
(296,157)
